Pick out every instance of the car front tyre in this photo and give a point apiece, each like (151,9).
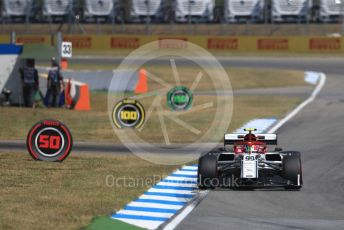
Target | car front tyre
(292,171)
(207,172)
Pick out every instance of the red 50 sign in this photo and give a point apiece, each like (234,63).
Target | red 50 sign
(49,140)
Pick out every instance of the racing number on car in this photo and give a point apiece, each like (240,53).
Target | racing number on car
(249,158)
(128,114)
(49,140)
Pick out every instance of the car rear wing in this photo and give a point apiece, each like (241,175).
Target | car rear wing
(268,138)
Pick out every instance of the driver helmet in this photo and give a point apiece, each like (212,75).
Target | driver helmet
(250,137)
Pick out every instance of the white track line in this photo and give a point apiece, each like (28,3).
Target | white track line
(187,192)
(165,198)
(141,213)
(182,172)
(190,167)
(178,184)
(188,209)
(181,179)
(316,91)
(153,205)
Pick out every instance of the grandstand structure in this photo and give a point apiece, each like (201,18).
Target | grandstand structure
(194,10)
(57,10)
(102,9)
(14,10)
(155,13)
(243,11)
(331,10)
(291,11)
(146,10)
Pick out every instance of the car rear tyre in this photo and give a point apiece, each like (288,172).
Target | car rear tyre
(207,171)
(292,171)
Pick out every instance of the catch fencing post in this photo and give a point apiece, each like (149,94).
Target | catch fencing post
(13,37)
(59,43)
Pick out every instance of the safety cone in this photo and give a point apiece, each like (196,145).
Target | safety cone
(142,85)
(80,98)
(83,102)
(64,64)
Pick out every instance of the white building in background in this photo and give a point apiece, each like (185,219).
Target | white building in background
(141,9)
(198,10)
(244,10)
(18,8)
(57,8)
(99,9)
(331,10)
(291,10)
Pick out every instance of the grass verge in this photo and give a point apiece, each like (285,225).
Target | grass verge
(95,125)
(107,223)
(40,195)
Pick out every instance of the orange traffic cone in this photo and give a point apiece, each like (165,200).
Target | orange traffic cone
(142,85)
(83,102)
(64,64)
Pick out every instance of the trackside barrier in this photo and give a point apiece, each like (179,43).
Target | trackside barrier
(34,39)
(252,44)
(9,71)
(77,95)
(5,39)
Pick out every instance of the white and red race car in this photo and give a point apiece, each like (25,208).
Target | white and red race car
(247,161)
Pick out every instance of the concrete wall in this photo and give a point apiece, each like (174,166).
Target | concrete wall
(99,80)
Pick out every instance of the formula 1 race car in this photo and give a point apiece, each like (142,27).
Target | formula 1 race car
(246,161)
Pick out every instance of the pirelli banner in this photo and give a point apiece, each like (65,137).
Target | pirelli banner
(29,39)
(276,44)
(215,44)
(297,44)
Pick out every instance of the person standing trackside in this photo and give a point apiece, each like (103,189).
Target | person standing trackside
(30,81)
(55,84)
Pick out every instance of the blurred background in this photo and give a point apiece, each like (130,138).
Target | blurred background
(266,47)
(210,17)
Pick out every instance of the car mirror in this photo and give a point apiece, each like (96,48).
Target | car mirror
(278,149)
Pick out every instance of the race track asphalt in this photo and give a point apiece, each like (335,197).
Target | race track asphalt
(325,64)
(317,132)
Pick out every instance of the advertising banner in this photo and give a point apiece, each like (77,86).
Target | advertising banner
(273,44)
(33,39)
(251,44)
(325,44)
